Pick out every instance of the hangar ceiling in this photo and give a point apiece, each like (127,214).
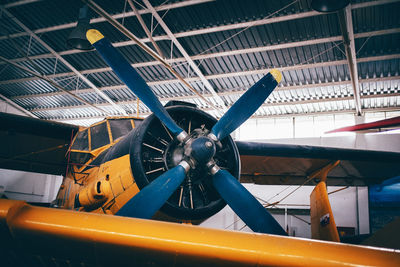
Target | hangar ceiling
(220,47)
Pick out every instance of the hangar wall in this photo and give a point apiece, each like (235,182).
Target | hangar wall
(349,207)
(306,126)
(29,186)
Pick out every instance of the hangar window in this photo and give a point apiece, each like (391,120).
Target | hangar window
(120,127)
(81,141)
(99,135)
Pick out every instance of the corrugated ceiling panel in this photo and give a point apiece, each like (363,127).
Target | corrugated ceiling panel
(203,16)
(379,68)
(377,17)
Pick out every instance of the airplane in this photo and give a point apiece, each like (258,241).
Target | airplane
(375,126)
(178,165)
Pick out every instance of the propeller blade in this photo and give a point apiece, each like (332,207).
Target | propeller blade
(247,104)
(151,198)
(131,78)
(245,205)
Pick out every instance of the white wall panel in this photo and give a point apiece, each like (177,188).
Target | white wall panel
(29,186)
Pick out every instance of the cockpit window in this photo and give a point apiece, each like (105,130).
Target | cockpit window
(81,141)
(80,157)
(99,135)
(120,127)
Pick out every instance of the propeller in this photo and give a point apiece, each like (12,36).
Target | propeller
(244,204)
(198,150)
(150,199)
(131,78)
(247,104)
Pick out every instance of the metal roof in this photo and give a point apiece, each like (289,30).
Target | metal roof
(232,42)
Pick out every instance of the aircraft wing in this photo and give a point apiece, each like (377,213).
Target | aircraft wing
(376,126)
(277,164)
(34,145)
(37,236)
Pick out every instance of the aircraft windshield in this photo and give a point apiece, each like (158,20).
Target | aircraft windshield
(99,136)
(81,141)
(120,127)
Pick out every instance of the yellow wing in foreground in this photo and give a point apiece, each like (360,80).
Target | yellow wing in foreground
(36,235)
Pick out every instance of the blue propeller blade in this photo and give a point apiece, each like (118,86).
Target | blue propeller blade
(151,198)
(247,104)
(245,205)
(131,78)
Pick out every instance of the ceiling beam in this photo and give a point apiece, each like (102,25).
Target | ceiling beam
(224,75)
(266,104)
(195,2)
(266,21)
(345,111)
(20,3)
(144,27)
(182,59)
(194,79)
(224,53)
(223,93)
(212,29)
(53,83)
(346,26)
(373,3)
(65,62)
(101,19)
(185,54)
(143,46)
(240,92)
(204,56)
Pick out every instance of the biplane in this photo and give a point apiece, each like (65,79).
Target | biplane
(155,175)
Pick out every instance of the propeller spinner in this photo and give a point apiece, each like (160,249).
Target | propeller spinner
(197,150)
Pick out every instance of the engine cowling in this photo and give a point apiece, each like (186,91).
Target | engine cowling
(154,151)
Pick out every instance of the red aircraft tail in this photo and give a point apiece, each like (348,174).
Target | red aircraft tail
(387,123)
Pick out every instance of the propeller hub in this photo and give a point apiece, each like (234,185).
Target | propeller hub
(202,149)
(208,144)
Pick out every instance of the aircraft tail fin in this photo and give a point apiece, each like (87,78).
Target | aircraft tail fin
(323,224)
